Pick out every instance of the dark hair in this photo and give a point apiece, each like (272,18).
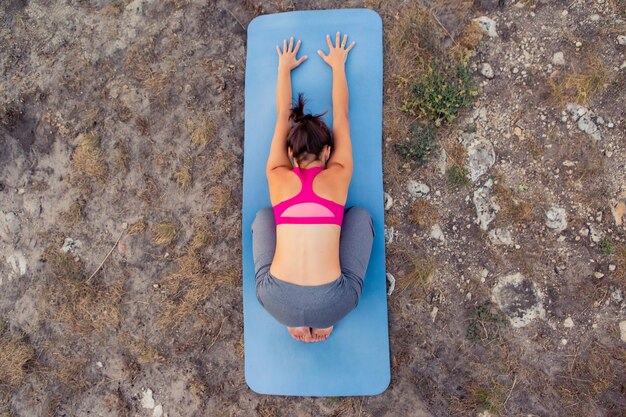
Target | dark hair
(308,134)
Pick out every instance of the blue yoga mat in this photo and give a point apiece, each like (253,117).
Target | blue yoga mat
(354,360)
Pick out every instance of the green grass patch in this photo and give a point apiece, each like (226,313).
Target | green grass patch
(458,176)
(606,246)
(420,143)
(438,93)
(484,325)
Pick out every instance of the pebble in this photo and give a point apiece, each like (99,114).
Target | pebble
(146,399)
(433,313)
(468,296)
(488,25)
(622,330)
(598,275)
(21,191)
(579,44)
(595,234)
(392,283)
(417,189)
(70,245)
(99,364)
(569,323)
(563,342)
(612,267)
(500,237)
(158,411)
(486,207)
(436,232)
(515,70)
(594,17)
(486,70)
(12,223)
(389,232)
(388,201)
(621,39)
(558,58)
(17,261)
(480,154)
(555,218)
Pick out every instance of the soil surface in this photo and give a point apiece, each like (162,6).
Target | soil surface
(121,135)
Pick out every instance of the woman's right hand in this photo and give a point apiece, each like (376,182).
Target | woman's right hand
(338,54)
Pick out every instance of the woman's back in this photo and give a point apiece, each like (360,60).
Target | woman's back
(308,254)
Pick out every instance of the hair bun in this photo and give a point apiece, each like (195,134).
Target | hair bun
(303,118)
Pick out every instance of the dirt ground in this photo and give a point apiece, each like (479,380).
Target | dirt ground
(121,134)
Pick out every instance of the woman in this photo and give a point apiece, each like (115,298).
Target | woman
(310,253)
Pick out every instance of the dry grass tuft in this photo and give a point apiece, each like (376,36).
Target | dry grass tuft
(471,35)
(203,132)
(75,213)
(84,307)
(137,227)
(219,196)
(140,350)
(620,259)
(63,264)
(203,234)
(151,193)
(183,177)
(164,233)
(424,213)
(512,210)
(579,87)
(14,355)
(188,289)
(88,159)
(121,157)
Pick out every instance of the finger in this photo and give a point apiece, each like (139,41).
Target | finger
(351,46)
(291,44)
(328,41)
(295,51)
(337,40)
(345,39)
(278,50)
(284,45)
(302,59)
(322,54)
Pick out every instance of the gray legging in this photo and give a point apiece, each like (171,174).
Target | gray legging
(317,306)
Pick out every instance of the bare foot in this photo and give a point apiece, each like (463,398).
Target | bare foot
(321,334)
(302,334)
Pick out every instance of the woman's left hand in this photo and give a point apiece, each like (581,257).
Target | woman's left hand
(287,57)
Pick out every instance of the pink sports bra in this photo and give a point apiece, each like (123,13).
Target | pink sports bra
(306,207)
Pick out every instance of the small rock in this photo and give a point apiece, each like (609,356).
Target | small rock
(468,296)
(17,261)
(487,71)
(436,232)
(599,120)
(610,125)
(568,163)
(392,283)
(12,225)
(500,237)
(579,44)
(598,275)
(584,232)
(21,191)
(622,330)
(433,313)
(388,201)
(621,39)
(563,342)
(558,58)
(555,218)
(594,17)
(124,225)
(480,154)
(417,189)
(486,207)
(488,25)
(569,323)
(515,70)
(612,267)
(99,364)
(389,232)
(146,399)
(158,411)
(517,131)
(70,245)
(595,234)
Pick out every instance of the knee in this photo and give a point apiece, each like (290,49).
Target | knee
(362,215)
(262,216)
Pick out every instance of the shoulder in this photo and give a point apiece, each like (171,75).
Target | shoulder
(278,174)
(339,173)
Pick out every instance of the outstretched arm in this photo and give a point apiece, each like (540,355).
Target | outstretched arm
(336,59)
(286,62)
